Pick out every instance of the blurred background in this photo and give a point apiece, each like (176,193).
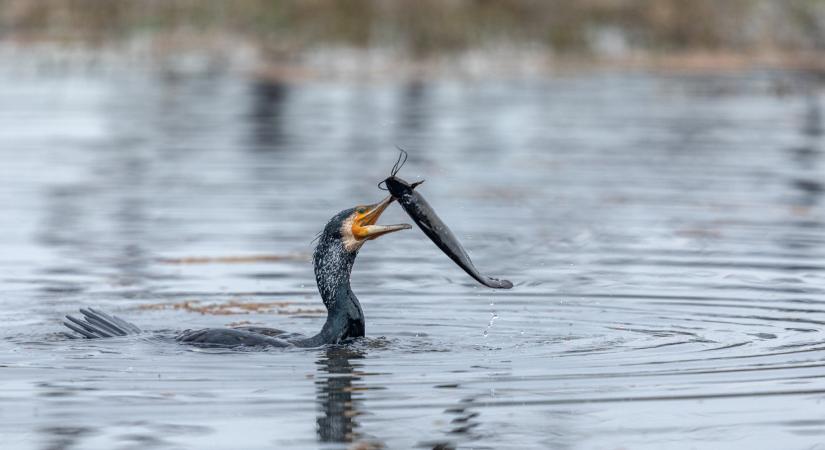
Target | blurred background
(368,38)
(649,174)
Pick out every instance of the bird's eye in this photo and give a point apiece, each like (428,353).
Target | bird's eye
(362,210)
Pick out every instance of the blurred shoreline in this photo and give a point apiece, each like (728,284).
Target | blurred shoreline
(341,63)
(292,40)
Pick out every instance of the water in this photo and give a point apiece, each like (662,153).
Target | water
(665,235)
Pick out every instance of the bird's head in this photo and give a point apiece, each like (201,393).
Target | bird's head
(355,226)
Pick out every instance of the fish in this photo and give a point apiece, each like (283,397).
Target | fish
(417,207)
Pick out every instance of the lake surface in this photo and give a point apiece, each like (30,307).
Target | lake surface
(664,234)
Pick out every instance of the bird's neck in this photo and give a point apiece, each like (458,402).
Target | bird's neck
(345,319)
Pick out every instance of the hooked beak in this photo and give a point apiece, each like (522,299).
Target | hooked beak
(364,227)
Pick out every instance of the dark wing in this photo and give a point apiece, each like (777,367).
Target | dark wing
(272,332)
(97,324)
(229,337)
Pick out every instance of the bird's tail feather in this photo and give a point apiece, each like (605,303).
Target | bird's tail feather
(98,324)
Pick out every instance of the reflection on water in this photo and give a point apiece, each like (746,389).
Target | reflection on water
(338,386)
(808,156)
(664,233)
(268,100)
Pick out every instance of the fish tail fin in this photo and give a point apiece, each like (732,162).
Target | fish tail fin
(97,324)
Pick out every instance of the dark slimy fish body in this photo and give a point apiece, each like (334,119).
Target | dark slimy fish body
(423,214)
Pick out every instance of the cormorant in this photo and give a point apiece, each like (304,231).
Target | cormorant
(332,259)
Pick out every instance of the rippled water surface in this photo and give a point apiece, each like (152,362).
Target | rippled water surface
(665,236)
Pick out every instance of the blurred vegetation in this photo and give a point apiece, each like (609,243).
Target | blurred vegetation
(426,27)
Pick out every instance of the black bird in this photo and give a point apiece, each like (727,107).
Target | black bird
(333,258)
